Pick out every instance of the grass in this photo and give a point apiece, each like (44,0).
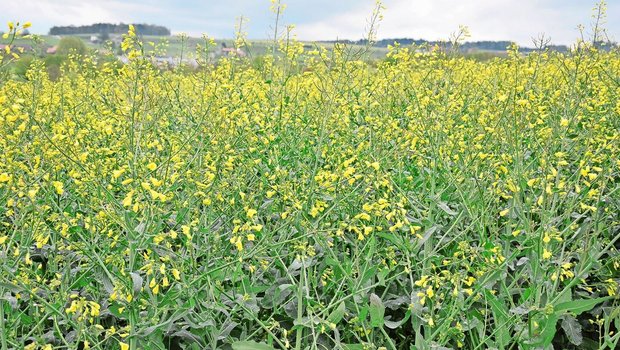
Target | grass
(426,201)
(176,45)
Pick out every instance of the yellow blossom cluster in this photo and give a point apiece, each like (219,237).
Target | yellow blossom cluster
(199,206)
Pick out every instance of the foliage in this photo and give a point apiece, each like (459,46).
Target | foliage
(71,45)
(109,28)
(470,45)
(9,52)
(425,202)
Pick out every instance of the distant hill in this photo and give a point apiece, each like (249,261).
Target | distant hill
(474,45)
(109,28)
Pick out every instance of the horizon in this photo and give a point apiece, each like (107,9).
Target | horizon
(351,40)
(323,20)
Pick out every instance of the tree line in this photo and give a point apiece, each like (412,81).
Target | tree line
(473,45)
(109,28)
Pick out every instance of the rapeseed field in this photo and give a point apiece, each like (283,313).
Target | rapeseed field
(312,200)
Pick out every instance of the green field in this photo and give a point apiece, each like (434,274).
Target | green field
(311,199)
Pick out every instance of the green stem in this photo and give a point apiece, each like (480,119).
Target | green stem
(2,326)
(300,309)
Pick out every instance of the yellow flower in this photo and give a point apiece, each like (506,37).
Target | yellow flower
(59,187)
(117,173)
(363,216)
(422,281)
(504,212)
(186,231)
(123,346)
(94,309)
(151,166)
(5,177)
(156,182)
(546,254)
(128,199)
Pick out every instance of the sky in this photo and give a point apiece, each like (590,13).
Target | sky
(518,21)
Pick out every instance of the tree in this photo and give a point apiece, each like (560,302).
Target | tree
(97,28)
(71,44)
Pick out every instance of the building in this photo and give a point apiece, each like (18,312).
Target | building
(230,51)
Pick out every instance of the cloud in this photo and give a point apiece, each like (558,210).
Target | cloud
(46,13)
(519,21)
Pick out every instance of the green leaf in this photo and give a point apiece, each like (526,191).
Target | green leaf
(579,306)
(572,328)
(353,346)
(394,239)
(370,248)
(26,320)
(525,295)
(377,311)
(363,313)
(336,315)
(501,317)
(115,310)
(549,330)
(140,228)
(395,324)
(420,342)
(11,287)
(564,297)
(136,281)
(369,274)
(444,206)
(251,345)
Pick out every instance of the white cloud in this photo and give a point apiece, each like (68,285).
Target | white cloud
(46,13)
(519,21)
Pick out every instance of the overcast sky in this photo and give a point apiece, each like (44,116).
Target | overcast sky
(516,20)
